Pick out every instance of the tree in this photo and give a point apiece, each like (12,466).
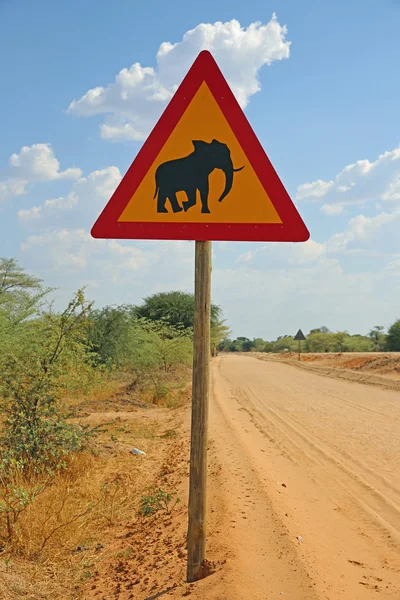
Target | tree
(240,344)
(320,342)
(224,345)
(175,308)
(269,347)
(378,338)
(109,333)
(248,345)
(219,332)
(155,348)
(340,340)
(159,345)
(322,329)
(393,337)
(259,345)
(358,343)
(284,343)
(21,295)
(13,277)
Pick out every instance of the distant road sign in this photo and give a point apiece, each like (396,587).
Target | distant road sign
(299,336)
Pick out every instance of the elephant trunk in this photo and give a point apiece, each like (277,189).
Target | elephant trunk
(229,171)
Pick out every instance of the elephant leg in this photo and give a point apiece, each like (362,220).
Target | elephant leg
(191,201)
(174,202)
(161,202)
(204,197)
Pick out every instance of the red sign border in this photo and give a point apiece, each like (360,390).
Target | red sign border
(292,228)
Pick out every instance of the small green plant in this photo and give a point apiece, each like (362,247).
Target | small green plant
(157,500)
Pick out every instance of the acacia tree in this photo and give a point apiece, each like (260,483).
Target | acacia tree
(167,345)
(21,295)
(320,342)
(175,308)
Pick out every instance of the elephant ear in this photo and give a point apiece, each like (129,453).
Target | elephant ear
(199,144)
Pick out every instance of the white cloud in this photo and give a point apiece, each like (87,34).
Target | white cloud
(136,98)
(305,253)
(62,203)
(69,250)
(365,236)
(12,187)
(359,183)
(38,163)
(393,190)
(365,230)
(316,190)
(291,254)
(332,209)
(393,267)
(33,164)
(363,227)
(101,182)
(87,195)
(30,214)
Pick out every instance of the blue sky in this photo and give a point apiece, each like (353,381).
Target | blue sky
(327,102)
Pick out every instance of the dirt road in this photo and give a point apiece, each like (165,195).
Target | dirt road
(304,499)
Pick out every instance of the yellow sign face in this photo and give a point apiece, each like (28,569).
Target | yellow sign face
(193,170)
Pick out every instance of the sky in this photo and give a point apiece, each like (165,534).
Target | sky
(83,83)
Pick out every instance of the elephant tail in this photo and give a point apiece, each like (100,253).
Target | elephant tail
(156,192)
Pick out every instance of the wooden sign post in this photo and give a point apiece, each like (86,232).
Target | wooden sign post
(196,538)
(201,175)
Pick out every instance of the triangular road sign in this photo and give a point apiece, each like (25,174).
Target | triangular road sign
(202,174)
(299,335)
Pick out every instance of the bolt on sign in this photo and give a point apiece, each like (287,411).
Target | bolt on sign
(201,175)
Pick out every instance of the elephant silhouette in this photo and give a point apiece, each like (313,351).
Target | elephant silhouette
(190,173)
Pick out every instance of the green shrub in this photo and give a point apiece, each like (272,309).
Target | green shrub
(156,500)
(48,356)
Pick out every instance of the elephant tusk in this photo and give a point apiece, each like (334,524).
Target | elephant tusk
(236,170)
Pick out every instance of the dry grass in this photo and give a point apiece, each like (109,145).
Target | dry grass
(65,532)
